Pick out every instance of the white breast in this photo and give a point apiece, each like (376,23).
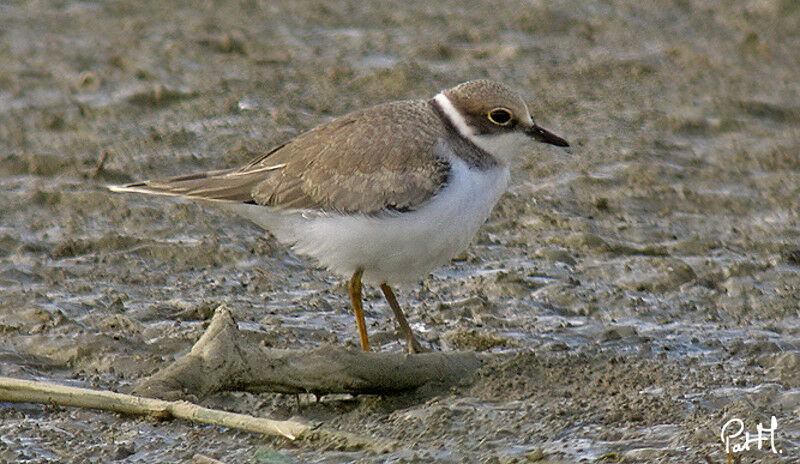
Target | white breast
(399,248)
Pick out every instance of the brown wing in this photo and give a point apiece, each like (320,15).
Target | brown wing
(367,162)
(231,185)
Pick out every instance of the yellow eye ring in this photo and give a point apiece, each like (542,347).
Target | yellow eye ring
(500,116)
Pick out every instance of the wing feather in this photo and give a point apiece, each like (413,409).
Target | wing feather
(352,164)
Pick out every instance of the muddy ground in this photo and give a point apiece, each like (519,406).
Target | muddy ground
(639,290)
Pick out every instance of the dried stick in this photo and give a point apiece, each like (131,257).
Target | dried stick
(29,391)
(225,358)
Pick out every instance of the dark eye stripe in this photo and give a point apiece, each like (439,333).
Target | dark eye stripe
(500,116)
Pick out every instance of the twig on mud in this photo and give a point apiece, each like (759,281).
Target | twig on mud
(30,391)
(226,358)
(98,168)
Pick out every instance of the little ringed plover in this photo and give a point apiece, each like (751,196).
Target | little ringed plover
(383,195)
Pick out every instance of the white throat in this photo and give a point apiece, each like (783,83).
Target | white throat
(505,148)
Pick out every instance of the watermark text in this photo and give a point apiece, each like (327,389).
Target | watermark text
(736,440)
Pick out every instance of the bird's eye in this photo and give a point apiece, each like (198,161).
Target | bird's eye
(500,116)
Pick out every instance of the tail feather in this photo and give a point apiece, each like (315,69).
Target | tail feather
(227,185)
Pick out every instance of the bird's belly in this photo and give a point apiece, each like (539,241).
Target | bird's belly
(407,246)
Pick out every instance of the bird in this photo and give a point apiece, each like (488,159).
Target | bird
(382,195)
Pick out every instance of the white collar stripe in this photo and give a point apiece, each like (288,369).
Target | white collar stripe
(454,116)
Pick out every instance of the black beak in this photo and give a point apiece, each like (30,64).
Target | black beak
(541,135)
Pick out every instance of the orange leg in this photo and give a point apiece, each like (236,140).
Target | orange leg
(355,298)
(413,345)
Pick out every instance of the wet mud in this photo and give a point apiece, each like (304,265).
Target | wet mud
(637,291)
